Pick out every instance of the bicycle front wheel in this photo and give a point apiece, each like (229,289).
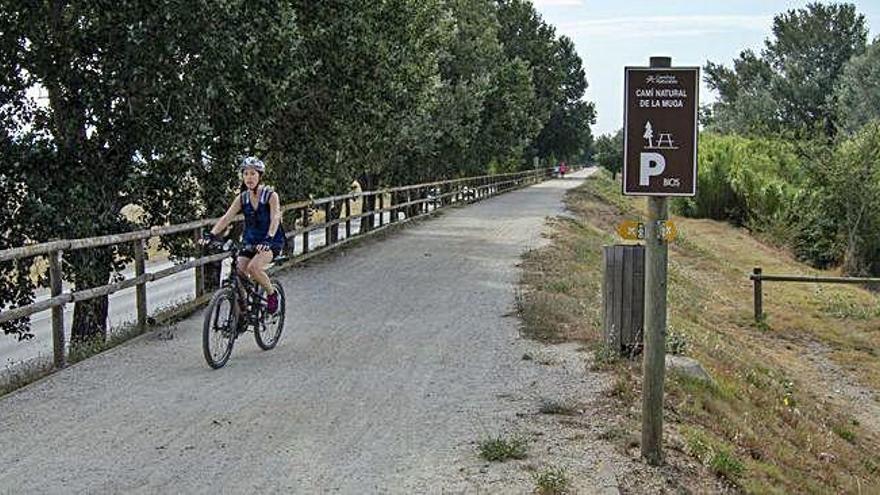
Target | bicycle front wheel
(268,332)
(218,331)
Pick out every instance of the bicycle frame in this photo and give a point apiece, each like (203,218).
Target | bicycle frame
(251,300)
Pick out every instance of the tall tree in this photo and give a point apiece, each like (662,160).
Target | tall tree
(808,50)
(558,80)
(746,103)
(857,96)
(608,152)
(790,87)
(566,134)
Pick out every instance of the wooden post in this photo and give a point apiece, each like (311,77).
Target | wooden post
(382,207)
(55,276)
(654,361)
(347,218)
(306,220)
(654,369)
(759,295)
(141,289)
(199,270)
(327,208)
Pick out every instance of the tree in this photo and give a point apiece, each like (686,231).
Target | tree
(856,167)
(808,52)
(567,132)
(393,72)
(609,152)
(447,142)
(789,88)
(746,104)
(856,95)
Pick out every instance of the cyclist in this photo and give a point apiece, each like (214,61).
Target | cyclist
(263,235)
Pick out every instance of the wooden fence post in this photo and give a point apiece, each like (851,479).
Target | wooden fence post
(327,208)
(55,276)
(306,221)
(141,289)
(759,295)
(347,218)
(200,270)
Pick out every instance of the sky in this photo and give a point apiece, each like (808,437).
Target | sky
(610,35)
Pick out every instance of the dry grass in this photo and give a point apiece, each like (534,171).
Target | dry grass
(794,405)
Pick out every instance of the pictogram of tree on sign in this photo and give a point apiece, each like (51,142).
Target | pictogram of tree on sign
(649,134)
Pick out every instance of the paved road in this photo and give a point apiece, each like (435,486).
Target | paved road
(394,357)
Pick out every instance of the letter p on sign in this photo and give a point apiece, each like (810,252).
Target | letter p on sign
(652,164)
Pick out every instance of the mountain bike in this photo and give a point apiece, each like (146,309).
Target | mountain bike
(237,307)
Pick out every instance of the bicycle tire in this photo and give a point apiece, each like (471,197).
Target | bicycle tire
(278,322)
(209,327)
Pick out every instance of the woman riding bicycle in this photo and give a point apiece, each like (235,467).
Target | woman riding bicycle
(263,234)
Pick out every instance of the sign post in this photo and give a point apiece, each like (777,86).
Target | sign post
(660,160)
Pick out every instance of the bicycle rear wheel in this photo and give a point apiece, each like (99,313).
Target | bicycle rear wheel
(268,331)
(218,331)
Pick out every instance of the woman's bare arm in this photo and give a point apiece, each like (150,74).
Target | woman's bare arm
(227,217)
(274,214)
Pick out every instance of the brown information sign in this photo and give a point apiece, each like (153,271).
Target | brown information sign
(660,131)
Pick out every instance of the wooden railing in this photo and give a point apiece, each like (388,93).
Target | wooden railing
(758,278)
(424,199)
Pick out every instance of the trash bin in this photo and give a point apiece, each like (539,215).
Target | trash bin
(623,293)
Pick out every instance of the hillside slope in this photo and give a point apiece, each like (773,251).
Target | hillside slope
(794,404)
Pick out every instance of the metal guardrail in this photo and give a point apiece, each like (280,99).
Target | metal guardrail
(420,199)
(758,278)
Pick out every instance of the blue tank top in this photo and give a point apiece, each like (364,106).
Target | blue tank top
(257,219)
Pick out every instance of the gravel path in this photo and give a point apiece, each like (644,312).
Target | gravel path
(397,356)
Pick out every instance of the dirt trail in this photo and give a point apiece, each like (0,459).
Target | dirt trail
(368,391)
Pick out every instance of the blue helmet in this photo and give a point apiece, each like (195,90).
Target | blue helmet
(252,162)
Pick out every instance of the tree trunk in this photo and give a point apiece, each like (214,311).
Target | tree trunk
(335,210)
(92,269)
(368,183)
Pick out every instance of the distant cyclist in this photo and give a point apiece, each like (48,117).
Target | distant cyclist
(263,234)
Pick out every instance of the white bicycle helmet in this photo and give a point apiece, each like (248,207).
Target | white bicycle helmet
(252,162)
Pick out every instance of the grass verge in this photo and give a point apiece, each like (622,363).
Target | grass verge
(775,419)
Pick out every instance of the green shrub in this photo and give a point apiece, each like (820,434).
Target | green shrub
(747,181)
(501,449)
(551,482)
(854,185)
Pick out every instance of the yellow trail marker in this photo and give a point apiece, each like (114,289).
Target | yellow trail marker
(668,231)
(635,231)
(631,230)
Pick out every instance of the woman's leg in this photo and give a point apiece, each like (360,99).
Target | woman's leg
(257,270)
